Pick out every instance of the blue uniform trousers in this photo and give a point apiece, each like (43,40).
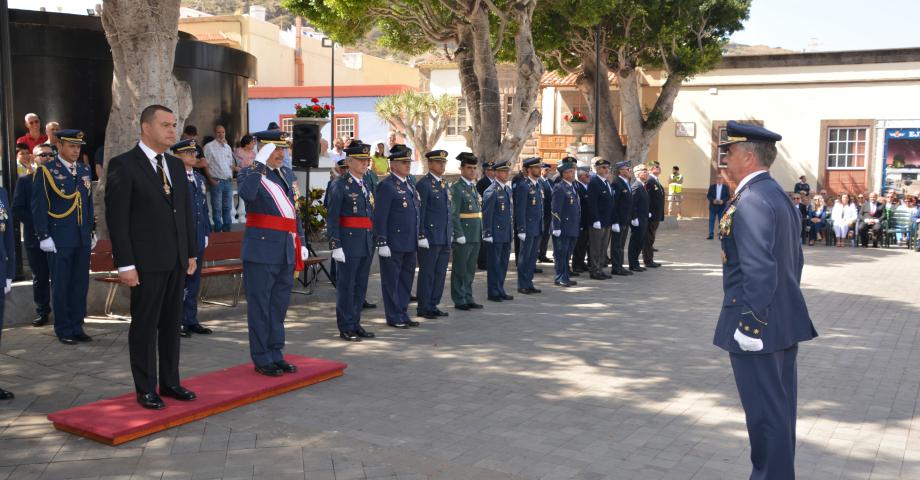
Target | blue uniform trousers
(350,290)
(497,255)
(562,252)
(767,385)
(432,273)
(715,215)
(527,262)
(396,275)
(190,299)
(41,280)
(69,286)
(268,293)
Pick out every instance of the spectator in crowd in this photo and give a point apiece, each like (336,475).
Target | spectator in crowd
(802,187)
(860,203)
(34,136)
(915,223)
(391,140)
(871,221)
(843,216)
(51,129)
(717,196)
(23,159)
(219,156)
(38,259)
(379,162)
(245,153)
(338,151)
(803,211)
(324,158)
(816,219)
(675,191)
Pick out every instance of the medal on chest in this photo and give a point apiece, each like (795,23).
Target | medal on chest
(725,224)
(3,217)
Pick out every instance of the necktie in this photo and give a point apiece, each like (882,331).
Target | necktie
(73,169)
(162,173)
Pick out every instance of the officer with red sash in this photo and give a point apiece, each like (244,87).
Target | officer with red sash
(350,230)
(273,248)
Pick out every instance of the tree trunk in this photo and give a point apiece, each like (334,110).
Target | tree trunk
(488,135)
(642,129)
(611,146)
(142,35)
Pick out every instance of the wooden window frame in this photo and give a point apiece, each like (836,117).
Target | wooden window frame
(335,119)
(869,166)
(456,119)
(826,143)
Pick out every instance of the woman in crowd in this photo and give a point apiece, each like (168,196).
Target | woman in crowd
(380,163)
(245,153)
(816,218)
(843,217)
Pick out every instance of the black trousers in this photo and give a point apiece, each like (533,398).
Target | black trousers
(156,310)
(544,239)
(648,252)
(617,245)
(636,242)
(581,250)
(481,259)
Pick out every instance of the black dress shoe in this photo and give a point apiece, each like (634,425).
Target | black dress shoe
(401,326)
(652,265)
(82,337)
(200,330)
(636,269)
(183,332)
(538,270)
(362,333)
(621,272)
(440,313)
(574,274)
(492,298)
(6,395)
(413,298)
(465,306)
(599,276)
(709,237)
(270,370)
(178,392)
(285,366)
(525,291)
(350,336)
(413,323)
(507,297)
(40,321)
(150,401)
(654,249)
(368,305)
(566,284)
(428,315)
(544,260)
(475,305)
(67,340)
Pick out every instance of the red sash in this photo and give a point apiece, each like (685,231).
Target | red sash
(282,224)
(355,222)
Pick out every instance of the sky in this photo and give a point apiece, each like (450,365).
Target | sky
(832,24)
(798,25)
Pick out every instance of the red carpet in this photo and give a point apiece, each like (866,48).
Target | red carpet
(120,419)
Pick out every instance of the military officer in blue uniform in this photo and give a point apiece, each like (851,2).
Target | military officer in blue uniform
(497,231)
(580,252)
(547,185)
(7,261)
(187,151)
(62,212)
(528,213)
(340,169)
(622,217)
(273,249)
(566,213)
(598,211)
(350,230)
(397,237)
(640,216)
(764,316)
(434,235)
(38,260)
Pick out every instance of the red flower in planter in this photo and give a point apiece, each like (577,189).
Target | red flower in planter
(314,100)
(317,108)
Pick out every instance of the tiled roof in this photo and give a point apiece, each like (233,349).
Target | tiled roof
(554,79)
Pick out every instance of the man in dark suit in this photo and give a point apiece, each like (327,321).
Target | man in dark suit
(764,316)
(581,244)
(871,221)
(154,244)
(639,221)
(598,213)
(38,260)
(656,214)
(622,215)
(717,196)
(488,178)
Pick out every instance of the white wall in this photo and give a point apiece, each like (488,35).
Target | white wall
(447,81)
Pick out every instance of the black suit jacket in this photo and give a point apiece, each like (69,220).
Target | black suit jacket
(711,195)
(866,211)
(582,192)
(483,184)
(641,202)
(655,199)
(147,230)
(622,212)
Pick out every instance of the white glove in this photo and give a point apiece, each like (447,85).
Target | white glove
(649,214)
(522,236)
(461,240)
(634,222)
(47,245)
(304,253)
(556,233)
(8,287)
(423,243)
(92,242)
(338,255)
(488,239)
(596,225)
(384,251)
(747,343)
(615,227)
(205,242)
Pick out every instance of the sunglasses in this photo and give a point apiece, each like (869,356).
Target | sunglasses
(45,155)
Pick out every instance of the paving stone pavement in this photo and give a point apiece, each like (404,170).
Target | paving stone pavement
(609,380)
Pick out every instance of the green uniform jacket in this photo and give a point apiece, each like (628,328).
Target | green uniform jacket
(465,199)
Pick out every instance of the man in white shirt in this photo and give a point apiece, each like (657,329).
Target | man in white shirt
(219,156)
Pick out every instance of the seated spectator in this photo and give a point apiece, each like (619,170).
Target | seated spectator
(870,223)
(843,216)
(802,187)
(34,136)
(816,218)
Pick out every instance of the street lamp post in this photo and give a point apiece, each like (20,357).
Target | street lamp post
(597,87)
(330,44)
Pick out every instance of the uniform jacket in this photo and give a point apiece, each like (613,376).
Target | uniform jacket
(655,199)
(149,229)
(566,209)
(396,215)
(348,199)
(547,187)
(465,199)
(497,213)
(263,245)
(622,211)
(599,207)
(7,242)
(528,208)
(762,264)
(640,202)
(22,209)
(199,208)
(434,210)
(76,227)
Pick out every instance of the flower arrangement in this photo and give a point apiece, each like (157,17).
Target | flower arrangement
(314,110)
(312,213)
(576,117)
